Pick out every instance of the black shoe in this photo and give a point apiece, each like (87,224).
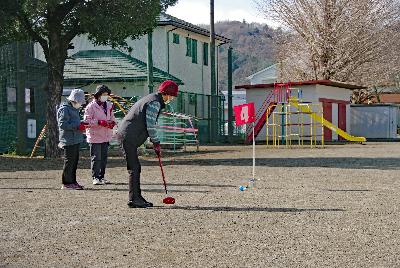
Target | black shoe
(148,204)
(137,204)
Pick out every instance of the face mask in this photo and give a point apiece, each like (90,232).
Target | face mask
(103,98)
(76,105)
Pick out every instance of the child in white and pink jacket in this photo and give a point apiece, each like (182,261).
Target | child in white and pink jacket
(100,118)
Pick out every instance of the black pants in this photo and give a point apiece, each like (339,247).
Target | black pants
(71,157)
(98,153)
(134,169)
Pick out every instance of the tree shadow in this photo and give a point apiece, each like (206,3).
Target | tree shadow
(9,163)
(143,184)
(161,190)
(380,163)
(347,190)
(183,185)
(32,178)
(251,209)
(31,189)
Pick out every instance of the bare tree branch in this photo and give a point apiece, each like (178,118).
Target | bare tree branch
(346,40)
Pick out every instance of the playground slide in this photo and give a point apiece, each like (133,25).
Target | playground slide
(343,134)
(261,122)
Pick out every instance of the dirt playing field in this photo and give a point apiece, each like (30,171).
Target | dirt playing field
(332,207)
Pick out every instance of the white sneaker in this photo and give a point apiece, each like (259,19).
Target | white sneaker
(105,181)
(97,182)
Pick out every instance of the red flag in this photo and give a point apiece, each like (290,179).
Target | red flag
(244,113)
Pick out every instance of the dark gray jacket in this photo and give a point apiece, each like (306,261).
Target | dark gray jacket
(133,128)
(68,123)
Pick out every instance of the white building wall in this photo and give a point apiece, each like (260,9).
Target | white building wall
(336,93)
(196,76)
(122,89)
(307,93)
(117,88)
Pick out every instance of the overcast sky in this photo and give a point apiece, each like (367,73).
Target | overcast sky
(198,11)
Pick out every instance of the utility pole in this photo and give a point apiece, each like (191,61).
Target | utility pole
(150,61)
(214,108)
(230,108)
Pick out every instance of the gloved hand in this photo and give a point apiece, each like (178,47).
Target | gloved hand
(103,123)
(157,148)
(111,124)
(82,127)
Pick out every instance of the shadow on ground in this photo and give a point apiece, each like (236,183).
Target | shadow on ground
(255,209)
(32,189)
(378,163)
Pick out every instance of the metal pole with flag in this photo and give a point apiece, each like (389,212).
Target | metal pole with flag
(245,114)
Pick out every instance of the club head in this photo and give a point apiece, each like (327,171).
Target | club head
(169,200)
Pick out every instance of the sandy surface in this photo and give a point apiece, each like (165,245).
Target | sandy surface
(332,207)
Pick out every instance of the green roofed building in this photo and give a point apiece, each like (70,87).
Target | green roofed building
(125,75)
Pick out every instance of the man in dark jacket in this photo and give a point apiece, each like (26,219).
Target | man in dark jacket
(135,128)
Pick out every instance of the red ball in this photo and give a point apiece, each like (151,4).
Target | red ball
(169,200)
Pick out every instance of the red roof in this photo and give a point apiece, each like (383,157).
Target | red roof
(303,83)
(388,98)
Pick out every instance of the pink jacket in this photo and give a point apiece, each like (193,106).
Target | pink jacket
(93,113)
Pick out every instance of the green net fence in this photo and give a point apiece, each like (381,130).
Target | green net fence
(22,95)
(8,99)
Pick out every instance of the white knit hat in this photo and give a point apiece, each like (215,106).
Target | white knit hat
(77,95)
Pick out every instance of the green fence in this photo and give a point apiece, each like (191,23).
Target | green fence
(28,76)
(199,106)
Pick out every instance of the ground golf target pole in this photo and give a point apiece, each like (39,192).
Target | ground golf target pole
(245,114)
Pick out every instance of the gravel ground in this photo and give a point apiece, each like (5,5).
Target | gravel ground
(332,207)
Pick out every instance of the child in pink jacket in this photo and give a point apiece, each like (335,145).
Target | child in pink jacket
(100,118)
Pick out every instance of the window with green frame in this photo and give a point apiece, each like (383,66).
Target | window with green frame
(194,51)
(205,54)
(188,47)
(175,38)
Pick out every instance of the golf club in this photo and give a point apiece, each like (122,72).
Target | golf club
(167,200)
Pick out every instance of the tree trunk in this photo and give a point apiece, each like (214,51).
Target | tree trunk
(54,92)
(56,61)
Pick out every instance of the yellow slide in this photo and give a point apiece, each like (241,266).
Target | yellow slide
(343,134)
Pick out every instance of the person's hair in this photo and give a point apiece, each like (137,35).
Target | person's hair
(100,90)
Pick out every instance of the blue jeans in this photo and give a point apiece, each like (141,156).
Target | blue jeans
(98,153)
